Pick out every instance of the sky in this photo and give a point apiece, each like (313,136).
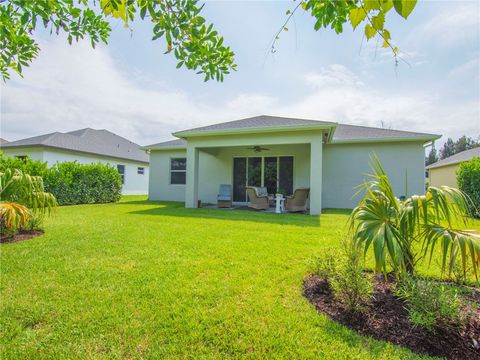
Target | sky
(131,88)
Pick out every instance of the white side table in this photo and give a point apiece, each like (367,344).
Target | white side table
(279,203)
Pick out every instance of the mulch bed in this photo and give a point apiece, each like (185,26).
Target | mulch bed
(387,319)
(24,235)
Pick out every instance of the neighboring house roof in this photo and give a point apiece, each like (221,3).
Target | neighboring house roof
(3,141)
(341,133)
(457,158)
(98,142)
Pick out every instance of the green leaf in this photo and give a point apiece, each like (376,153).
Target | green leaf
(378,21)
(370,31)
(387,5)
(404,7)
(356,16)
(371,5)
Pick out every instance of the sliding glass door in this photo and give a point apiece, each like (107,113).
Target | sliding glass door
(273,172)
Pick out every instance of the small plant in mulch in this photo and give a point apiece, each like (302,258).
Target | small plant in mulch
(427,316)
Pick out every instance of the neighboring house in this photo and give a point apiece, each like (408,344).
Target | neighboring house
(443,172)
(88,146)
(283,154)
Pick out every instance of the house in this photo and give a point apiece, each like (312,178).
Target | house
(88,146)
(283,154)
(443,172)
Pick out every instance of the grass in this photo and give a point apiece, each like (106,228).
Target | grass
(146,279)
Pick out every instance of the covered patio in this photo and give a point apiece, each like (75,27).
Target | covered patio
(279,163)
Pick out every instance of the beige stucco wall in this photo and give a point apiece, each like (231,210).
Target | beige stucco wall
(444,175)
(345,166)
(135,184)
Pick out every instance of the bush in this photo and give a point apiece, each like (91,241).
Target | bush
(468,179)
(346,278)
(70,182)
(74,183)
(350,284)
(430,305)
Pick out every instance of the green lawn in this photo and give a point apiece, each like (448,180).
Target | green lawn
(145,279)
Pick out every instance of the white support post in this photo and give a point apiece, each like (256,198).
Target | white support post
(316,165)
(191,193)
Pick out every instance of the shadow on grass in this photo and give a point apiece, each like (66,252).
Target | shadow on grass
(177,209)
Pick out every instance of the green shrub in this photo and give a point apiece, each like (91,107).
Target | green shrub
(430,305)
(345,275)
(35,222)
(468,179)
(74,183)
(70,182)
(350,284)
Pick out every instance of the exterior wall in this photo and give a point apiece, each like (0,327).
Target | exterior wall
(444,175)
(159,187)
(135,184)
(345,166)
(34,153)
(216,167)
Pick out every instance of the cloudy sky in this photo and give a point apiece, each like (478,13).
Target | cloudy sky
(131,88)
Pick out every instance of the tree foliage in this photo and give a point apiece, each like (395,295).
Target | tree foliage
(371,14)
(404,232)
(432,156)
(451,147)
(186,34)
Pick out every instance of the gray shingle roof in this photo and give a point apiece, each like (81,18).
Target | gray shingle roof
(455,159)
(257,122)
(171,144)
(343,132)
(99,142)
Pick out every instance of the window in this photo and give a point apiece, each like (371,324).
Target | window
(121,171)
(140,170)
(178,171)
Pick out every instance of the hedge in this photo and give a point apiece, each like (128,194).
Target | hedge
(468,179)
(71,182)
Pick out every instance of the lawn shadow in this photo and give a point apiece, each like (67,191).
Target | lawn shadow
(177,209)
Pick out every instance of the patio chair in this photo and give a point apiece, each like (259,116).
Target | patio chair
(297,201)
(224,197)
(256,201)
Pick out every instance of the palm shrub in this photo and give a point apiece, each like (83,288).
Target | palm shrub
(403,232)
(21,195)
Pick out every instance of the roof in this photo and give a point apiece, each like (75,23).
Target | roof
(342,133)
(457,158)
(3,141)
(98,142)
(356,133)
(256,124)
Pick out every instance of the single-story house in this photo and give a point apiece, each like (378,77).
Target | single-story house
(88,146)
(283,154)
(444,172)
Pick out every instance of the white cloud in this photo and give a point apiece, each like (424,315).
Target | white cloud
(454,25)
(73,87)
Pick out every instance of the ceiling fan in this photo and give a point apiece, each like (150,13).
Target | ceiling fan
(257,148)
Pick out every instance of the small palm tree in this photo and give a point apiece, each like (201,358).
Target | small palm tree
(20,195)
(404,231)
